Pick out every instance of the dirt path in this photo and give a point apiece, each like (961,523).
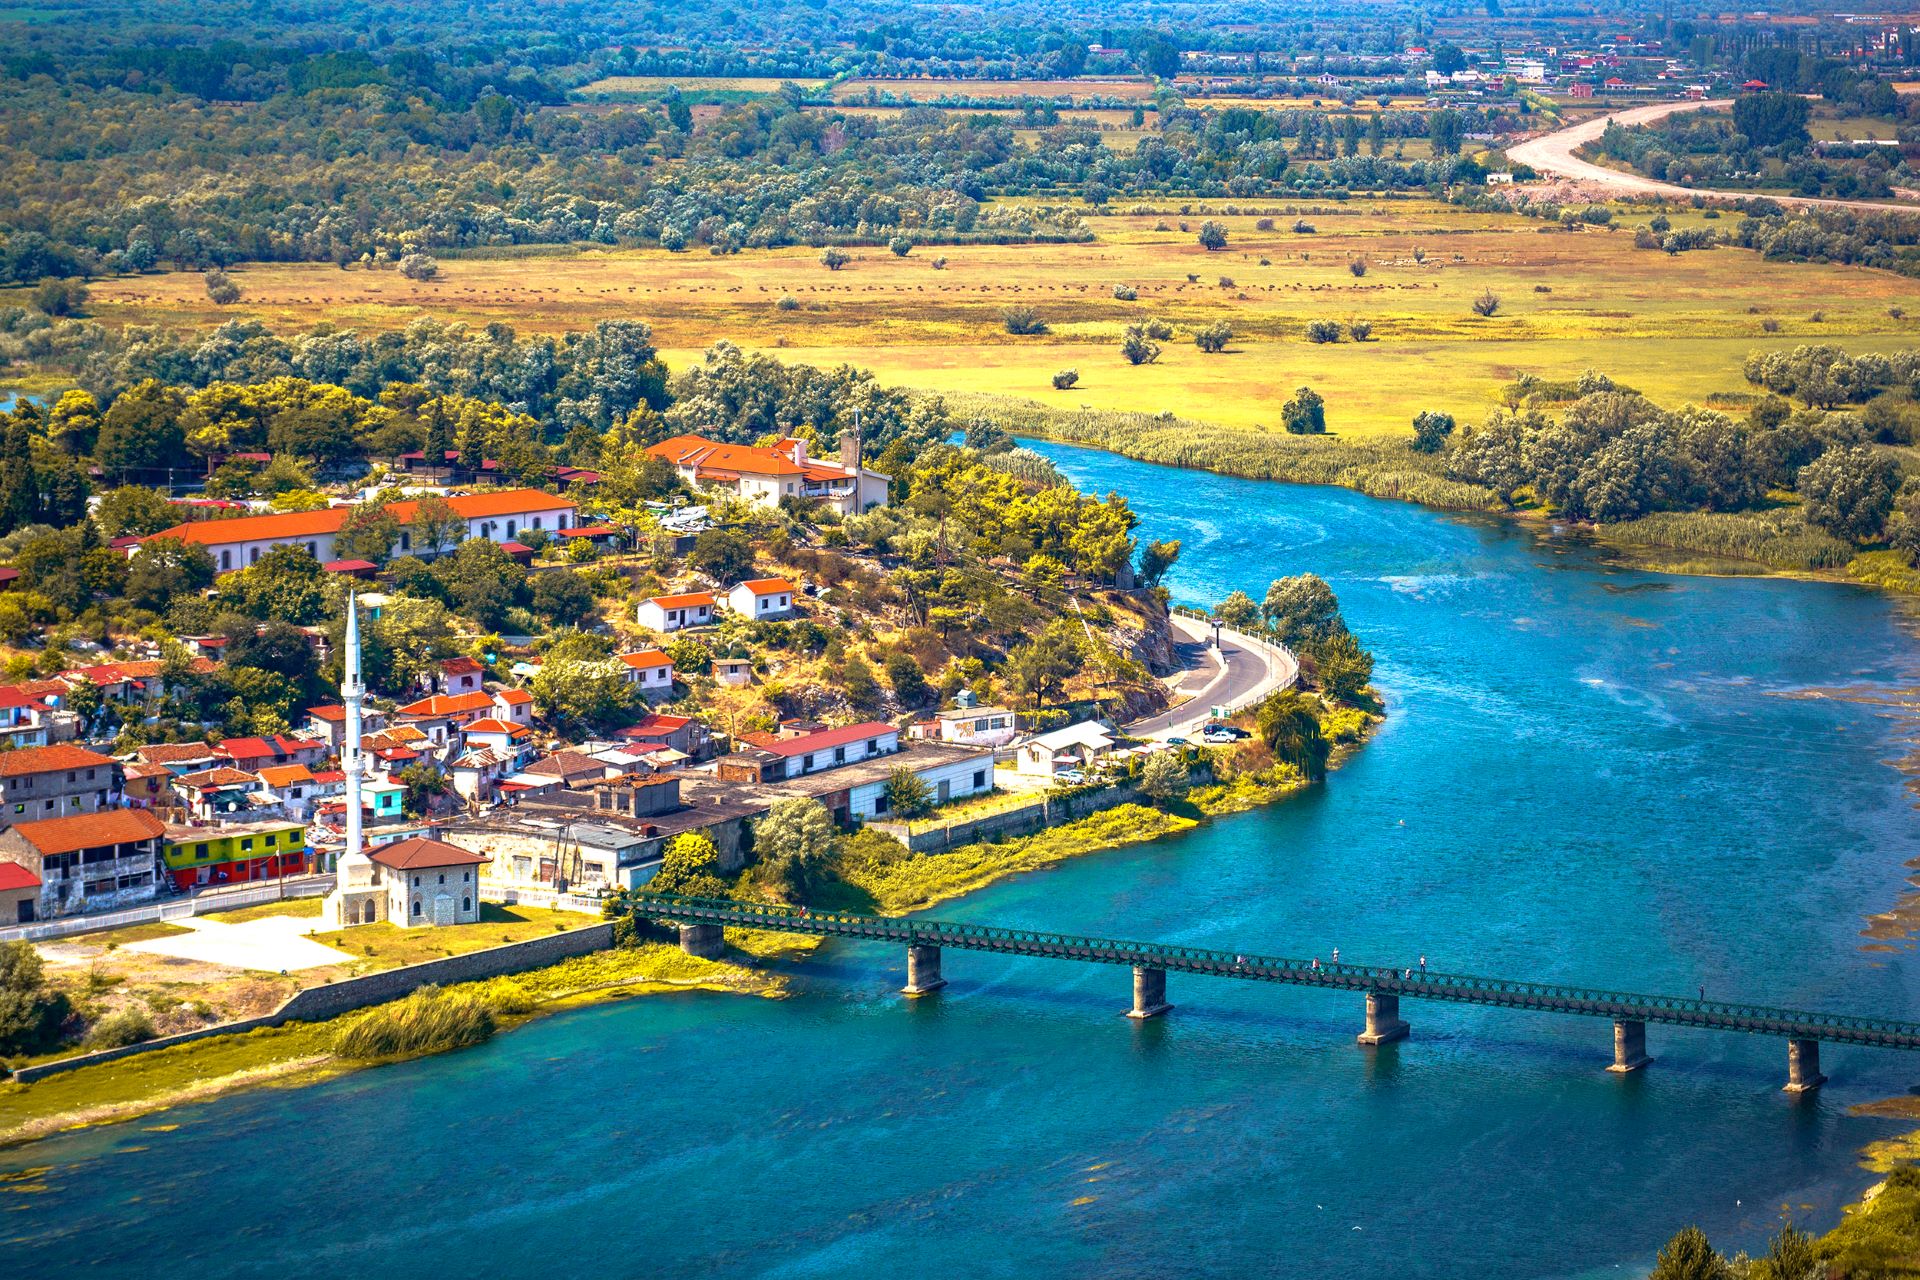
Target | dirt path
(1553,153)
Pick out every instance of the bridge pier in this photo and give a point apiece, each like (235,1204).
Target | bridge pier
(1149,993)
(923,970)
(704,940)
(1629,1046)
(1803,1066)
(1383,1019)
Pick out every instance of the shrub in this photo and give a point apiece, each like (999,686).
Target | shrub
(418,266)
(1264,224)
(1358,267)
(1023,320)
(834,258)
(428,1021)
(1137,347)
(120,1028)
(30,1011)
(1159,330)
(1770,325)
(1305,414)
(1213,236)
(222,290)
(1430,431)
(901,246)
(1323,331)
(1419,254)
(939,264)
(1486,304)
(1066,379)
(787,302)
(1226,282)
(908,795)
(1360,330)
(61,297)
(1214,338)
(1302,227)
(1125,292)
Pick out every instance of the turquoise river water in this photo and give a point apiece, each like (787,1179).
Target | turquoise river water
(1590,774)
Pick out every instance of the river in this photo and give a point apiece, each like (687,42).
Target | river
(1590,774)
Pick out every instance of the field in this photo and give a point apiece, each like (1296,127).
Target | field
(928,89)
(1678,328)
(653,86)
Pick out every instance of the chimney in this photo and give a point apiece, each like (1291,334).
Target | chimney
(852,446)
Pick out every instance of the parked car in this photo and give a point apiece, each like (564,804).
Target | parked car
(1070,777)
(1176,742)
(1215,738)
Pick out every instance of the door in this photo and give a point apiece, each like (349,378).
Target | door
(26,911)
(443,909)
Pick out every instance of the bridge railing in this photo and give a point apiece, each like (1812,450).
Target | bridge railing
(1548,997)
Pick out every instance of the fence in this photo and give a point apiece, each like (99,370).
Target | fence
(170,909)
(514,894)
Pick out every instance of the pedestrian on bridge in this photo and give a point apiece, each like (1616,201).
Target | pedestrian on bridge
(1423,964)
(1336,955)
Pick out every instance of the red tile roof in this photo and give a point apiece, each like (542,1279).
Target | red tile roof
(349,566)
(513,697)
(461,666)
(174,752)
(766,586)
(333,714)
(282,775)
(90,830)
(705,455)
(489,724)
(26,760)
(498,502)
(447,704)
(219,776)
(687,601)
(15,876)
(308,524)
(418,852)
(646,660)
(827,738)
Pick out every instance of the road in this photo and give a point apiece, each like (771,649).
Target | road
(1244,671)
(1553,153)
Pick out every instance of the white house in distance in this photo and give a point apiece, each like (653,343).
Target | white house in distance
(670,613)
(650,671)
(762,598)
(498,516)
(765,476)
(978,726)
(1074,747)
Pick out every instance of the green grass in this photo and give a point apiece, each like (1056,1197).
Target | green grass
(1778,538)
(388,946)
(428,1021)
(301,907)
(133,933)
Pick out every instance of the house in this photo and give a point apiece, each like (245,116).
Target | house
(857,791)
(290,787)
(19,894)
(438,716)
(982,726)
(88,861)
(1072,747)
(497,515)
(768,476)
(488,733)
(604,537)
(328,724)
(760,598)
(650,671)
(255,754)
(53,782)
(414,882)
(146,786)
(733,672)
(25,721)
(364,570)
(177,758)
(775,759)
(572,768)
(477,773)
(447,467)
(682,733)
(671,613)
(213,793)
(128,682)
(233,853)
(515,705)
(460,675)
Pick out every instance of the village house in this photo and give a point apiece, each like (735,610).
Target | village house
(672,613)
(217,792)
(650,671)
(89,861)
(19,894)
(233,853)
(25,721)
(762,599)
(440,715)
(857,791)
(772,758)
(572,768)
(733,672)
(1074,747)
(53,782)
(498,516)
(767,476)
(288,787)
(477,773)
(981,726)
(461,675)
(255,754)
(684,734)
(178,758)
(147,786)
(515,705)
(329,724)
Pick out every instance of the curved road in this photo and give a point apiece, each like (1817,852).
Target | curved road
(1553,153)
(1245,670)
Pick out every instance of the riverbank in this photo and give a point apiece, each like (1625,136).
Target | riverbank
(1773,542)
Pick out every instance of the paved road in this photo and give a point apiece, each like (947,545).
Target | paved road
(1553,153)
(1244,671)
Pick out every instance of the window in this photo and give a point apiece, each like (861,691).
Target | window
(466,904)
(199,851)
(406,542)
(246,846)
(443,879)
(839,755)
(46,805)
(536,522)
(416,907)
(880,803)
(226,558)
(511,527)
(979,778)
(253,555)
(465,876)
(271,838)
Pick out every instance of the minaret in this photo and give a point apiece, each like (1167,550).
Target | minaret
(351,692)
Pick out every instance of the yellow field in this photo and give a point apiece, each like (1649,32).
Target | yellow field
(925,90)
(689,84)
(1678,328)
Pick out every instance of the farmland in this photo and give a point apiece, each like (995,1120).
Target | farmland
(1677,328)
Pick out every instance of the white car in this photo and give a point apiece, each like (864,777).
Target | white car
(1219,738)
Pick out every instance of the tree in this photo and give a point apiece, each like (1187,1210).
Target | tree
(1302,610)
(833,259)
(575,694)
(1430,430)
(1772,119)
(1039,670)
(418,266)
(1446,129)
(1690,1256)
(281,648)
(1321,331)
(61,297)
(1023,321)
(901,246)
(1305,414)
(221,288)
(30,1011)
(435,524)
(1448,58)
(724,555)
(168,569)
(563,597)
(1791,1255)
(1213,339)
(1155,559)
(1849,492)
(1287,725)
(1066,379)
(792,842)
(423,782)
(1357,268)
(141,434)
(908,795)
(481,581)
(1903,526)
(908,681)
(1486,304)
(368,533)
(1213,236)
(1345,669)
(286,583)
(690,867)
(1238,611)
(1137,347)
(136,510)
(1164,776)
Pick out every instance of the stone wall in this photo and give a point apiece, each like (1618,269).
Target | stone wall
(336,998)
(1044,812)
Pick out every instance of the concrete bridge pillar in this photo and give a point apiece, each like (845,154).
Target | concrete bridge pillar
(1149,993)
(704,940)
(1629,1046)
(923,970)
(1383,1019)
(1803,1066)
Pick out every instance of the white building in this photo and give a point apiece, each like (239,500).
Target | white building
(1074,747)
(762,599)
(650,671)
(765,476)
(671,613)
(950,772)
(981,726)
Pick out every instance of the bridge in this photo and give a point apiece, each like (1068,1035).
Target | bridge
(702,920)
